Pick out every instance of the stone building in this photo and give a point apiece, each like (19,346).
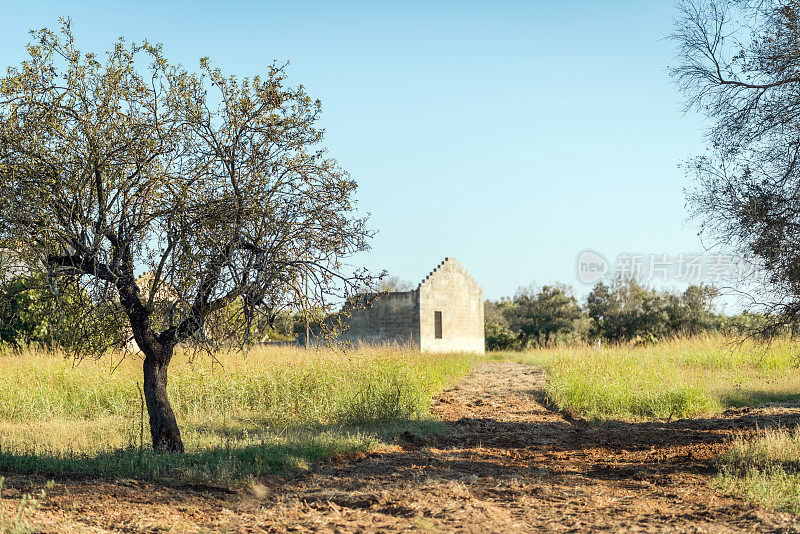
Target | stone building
(443,314)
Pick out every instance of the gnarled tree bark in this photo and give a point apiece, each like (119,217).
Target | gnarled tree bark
(163,425)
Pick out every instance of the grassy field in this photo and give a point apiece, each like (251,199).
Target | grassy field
(678,378)
(246,414)
(685,378)
(269,409)
(765,469)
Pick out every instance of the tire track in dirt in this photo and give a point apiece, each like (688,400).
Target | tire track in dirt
(510,463)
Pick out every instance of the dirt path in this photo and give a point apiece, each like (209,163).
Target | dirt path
(510,464)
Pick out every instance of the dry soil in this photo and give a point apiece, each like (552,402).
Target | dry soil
(510,463)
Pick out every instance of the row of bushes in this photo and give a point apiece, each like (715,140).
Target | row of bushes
(626,311)
(617,312)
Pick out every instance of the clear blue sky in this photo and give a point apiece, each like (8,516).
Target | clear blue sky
(511,135)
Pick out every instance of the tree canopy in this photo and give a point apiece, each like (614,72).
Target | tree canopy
(215,186)
(620,311)
(739,64)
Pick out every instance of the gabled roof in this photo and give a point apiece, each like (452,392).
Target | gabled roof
(450,263)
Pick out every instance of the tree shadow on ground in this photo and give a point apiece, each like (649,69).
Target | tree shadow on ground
(615,449)
(243,449)
(748,398)
(555,446)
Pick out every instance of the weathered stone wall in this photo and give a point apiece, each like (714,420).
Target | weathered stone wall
(382,318)
(407,318)
(452,291)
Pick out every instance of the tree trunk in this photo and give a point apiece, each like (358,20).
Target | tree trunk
(163,425)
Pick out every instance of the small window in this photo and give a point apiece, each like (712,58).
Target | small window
(437,324)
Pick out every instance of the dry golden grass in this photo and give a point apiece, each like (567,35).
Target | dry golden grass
(765,469)
(240,413)
(683,377)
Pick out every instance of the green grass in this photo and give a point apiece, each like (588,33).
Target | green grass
(678,378)
(269,409)
(764,469)
(246,415)
(686,378)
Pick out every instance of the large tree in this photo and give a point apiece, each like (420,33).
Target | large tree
(540,315)
(739,64)
(215,187)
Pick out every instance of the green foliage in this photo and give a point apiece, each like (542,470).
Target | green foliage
(282,326)
(538,317)
(764,469)
(680,377)
(627,311)
(737,64)
(692,312)
(615,313)
(497,329)
(499,336)
(53,313)
(242,414)
(394,283)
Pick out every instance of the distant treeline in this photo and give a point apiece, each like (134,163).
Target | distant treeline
(535,317)
(613,313)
